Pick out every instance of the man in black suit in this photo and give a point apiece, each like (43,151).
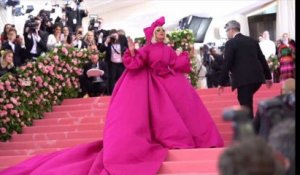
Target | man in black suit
(35,40)
(247,64)
(75,14)
(115,45)
(94,86)
(17,46)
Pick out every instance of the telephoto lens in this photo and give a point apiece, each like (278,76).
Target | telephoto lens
(241,122)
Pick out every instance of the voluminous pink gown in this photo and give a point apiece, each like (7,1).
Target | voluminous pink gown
(153,108)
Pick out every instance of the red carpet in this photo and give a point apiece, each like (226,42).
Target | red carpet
(79,121)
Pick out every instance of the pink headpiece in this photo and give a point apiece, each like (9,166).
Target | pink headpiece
(149,30)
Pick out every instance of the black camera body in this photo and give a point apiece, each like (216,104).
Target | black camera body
(45,15)
(78,1)
(113,39)
(242,122)
(31,24)
(273,111)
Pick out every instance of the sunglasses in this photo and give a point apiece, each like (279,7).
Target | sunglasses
(160,30)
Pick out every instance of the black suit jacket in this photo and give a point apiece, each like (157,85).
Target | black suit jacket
(19,53)
(83,44)
(245,61)
(107,50)
(74,15)
(102,66)
(41,45)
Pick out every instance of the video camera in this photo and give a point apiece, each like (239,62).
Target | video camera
(242,122)
(94,23)
(78,1)
(273,111)
(31,23)
(45,15)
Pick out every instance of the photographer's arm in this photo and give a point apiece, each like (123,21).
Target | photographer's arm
(103,47)
(42,43)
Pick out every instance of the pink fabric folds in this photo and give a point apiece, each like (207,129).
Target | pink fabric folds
(153,108)
(149,30)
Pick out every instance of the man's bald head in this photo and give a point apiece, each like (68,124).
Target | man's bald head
(288,86)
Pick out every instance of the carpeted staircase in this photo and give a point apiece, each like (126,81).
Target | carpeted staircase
(79,121)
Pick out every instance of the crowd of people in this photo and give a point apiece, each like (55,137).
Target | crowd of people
(141,67)
(269,147)
(41,34)
(280,56)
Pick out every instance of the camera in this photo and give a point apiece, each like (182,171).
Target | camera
(94,23)
(113,38)
(45,15)
(273,111)
(31,23)
(242,122)
(78,1)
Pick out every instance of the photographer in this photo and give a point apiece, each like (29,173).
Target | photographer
(99,33)
(251,156)
(282,138)
(79,43)
(74,14)
(46,21)
(16,44)
(94,85)
(5,32)
(35,39)
(114,46)
(273,111)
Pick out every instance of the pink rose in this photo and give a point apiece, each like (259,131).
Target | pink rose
(29,65)
(64,50)
(1,86)
(9,106)
(3,113)
(56,61)
(7,83)
(23,68)
(1,100)
(13,100)
(3,130)
(14,112)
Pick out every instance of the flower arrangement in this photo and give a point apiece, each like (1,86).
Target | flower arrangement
(273,62)
(37,86)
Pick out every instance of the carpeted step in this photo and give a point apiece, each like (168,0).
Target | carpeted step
(205,166)
(44,144)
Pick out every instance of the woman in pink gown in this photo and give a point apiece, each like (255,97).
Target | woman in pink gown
(153,108)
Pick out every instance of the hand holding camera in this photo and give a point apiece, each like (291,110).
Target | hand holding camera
(242,122)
